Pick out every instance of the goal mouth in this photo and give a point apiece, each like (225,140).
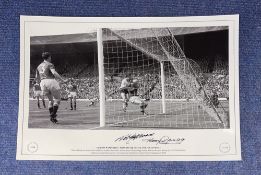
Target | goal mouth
(179,114)
(168,121)
(150,57)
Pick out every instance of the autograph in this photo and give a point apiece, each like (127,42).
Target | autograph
(131,137)
(149,138)
(165,140)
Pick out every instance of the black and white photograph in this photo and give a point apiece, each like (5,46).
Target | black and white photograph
(153,78)
(64,82)
(129,86)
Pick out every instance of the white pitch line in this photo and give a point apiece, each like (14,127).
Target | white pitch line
(81,110)
(95,128)
(130,120)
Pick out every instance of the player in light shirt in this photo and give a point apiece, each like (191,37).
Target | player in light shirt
(72,90)
(129,92)
(124,90)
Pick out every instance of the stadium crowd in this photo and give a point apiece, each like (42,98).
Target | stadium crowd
(86,79)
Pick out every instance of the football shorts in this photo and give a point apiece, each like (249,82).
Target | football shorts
(37,93)
(72,95)
(51,87)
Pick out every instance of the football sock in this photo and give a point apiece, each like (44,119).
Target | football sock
(71,104)
(44,104)
(55,108)
(51,110)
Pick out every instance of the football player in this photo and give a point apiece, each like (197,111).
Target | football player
(134,98)
(124,91)
(47,75)
(72,90)
(38,94)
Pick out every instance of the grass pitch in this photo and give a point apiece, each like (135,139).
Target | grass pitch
(179,115)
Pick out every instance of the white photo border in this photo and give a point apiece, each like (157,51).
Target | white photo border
(61,144)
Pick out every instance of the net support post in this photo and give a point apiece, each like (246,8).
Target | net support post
(101,77)
(162,79)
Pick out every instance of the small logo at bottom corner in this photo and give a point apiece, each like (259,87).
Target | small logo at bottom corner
(224,147)
(32,147)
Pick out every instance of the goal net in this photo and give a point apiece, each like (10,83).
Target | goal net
(172,86)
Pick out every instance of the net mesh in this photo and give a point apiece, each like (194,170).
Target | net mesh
(139,53)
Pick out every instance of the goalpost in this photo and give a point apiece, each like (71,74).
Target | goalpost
(150,55)
(162,78)
(101,77)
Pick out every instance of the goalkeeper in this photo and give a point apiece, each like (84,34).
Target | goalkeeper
(134,98)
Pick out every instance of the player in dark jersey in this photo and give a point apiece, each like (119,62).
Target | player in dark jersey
(129,92)
(94,101)
(72,90)
(46,73)
(134,98)
(38,94)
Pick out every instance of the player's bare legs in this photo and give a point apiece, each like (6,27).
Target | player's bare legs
(55,109)
(51,108)
(56,102)
(124,97)
(38,102)
(71,103)
(43,101)
(138,101)
(74,102)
